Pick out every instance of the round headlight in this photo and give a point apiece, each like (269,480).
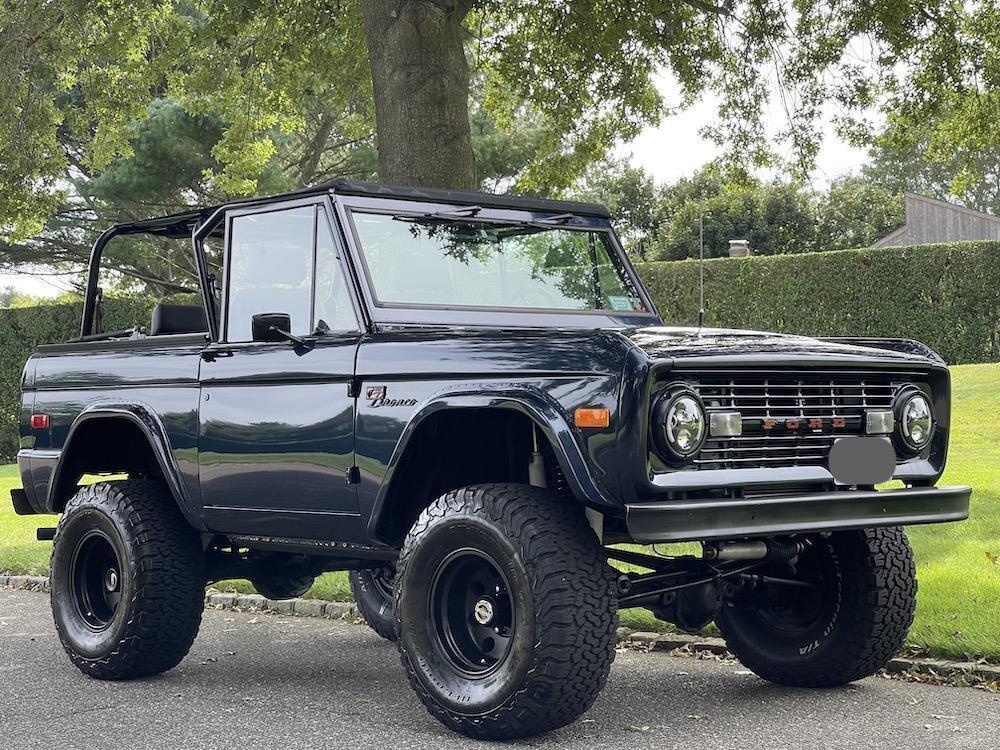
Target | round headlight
(679,424)
(915,418)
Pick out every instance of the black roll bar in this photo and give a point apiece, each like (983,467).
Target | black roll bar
(93,275)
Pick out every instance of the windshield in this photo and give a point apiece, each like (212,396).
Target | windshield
(429,261)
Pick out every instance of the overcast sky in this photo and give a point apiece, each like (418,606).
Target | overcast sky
(670,151)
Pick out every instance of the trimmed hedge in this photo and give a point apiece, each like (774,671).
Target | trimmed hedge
(22,329)
(947,296)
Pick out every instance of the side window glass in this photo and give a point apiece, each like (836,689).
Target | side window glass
(270,269)
(334,310)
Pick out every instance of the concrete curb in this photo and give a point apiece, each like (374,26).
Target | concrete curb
(963,671)
(221,600)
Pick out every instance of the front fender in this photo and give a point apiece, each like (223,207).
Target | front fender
(149,424)
(534,403)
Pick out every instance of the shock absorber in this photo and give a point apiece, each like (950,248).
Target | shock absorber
(765,550)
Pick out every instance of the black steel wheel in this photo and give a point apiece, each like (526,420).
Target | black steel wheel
(374,592)
(506,611)
(471,612)
(95,574)
(127,580)
(848,617)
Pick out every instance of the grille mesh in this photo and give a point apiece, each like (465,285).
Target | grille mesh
(795,395)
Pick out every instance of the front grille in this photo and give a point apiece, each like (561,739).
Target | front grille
(773,398)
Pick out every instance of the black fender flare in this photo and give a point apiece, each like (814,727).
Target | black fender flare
(149,424)
(534,403)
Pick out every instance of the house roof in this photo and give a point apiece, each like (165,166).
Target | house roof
(930,220)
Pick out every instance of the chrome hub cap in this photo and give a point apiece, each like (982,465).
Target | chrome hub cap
(483,612)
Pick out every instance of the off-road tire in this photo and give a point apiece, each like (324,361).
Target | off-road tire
(162,580)
(375,604)
(561,589)
(874,586)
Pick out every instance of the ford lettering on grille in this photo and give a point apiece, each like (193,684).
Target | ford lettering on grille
(791,419)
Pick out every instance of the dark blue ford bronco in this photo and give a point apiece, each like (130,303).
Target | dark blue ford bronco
(470,403)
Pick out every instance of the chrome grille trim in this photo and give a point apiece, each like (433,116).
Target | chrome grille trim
(790,395)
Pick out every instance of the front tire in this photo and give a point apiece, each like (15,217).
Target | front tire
(506,611)
(127,580)
(852,621)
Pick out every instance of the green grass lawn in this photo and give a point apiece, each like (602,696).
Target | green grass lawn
(958,606)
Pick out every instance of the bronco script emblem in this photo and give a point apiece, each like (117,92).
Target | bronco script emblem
(377,397)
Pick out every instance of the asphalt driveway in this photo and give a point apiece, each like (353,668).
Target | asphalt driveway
(269,681)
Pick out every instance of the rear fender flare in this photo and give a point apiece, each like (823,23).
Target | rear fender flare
(143,417)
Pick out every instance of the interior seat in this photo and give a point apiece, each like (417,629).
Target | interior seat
(169,319)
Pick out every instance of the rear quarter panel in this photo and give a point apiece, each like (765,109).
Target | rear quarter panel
(161,373)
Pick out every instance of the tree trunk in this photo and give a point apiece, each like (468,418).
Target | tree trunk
(421,82)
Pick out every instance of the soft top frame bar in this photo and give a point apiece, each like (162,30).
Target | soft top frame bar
(197,223)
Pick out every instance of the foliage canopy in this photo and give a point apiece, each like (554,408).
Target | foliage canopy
(263,96)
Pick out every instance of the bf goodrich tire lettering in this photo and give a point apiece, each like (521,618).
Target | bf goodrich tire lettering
(373,594)
(871,602)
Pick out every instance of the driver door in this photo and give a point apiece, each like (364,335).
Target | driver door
(276,438)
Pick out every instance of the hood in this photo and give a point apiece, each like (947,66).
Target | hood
(758,347)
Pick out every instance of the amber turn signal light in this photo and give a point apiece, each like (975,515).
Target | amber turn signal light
(591,417)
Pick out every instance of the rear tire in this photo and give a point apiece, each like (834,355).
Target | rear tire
(506,611)
(374,594)
(847,629)
(127,580)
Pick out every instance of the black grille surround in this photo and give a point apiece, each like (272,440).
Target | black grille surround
(826,404)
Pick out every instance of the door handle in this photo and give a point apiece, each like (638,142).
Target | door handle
(210,355)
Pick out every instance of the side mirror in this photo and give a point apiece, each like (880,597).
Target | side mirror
(271,326)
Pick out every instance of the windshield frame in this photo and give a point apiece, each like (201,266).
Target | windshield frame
(473,315)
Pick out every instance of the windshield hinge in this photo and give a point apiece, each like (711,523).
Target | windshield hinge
(354,387)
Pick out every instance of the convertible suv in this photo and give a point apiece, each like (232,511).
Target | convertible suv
(470,403)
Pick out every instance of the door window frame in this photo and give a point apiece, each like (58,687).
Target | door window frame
(321,209)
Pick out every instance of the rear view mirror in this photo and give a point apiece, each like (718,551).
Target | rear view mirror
(271,326)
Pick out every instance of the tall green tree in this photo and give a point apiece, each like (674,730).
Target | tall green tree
(912,157)
(84,72)
(775,218)
(631,196)
(855,211)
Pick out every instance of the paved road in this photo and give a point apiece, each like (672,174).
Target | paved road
(268,681)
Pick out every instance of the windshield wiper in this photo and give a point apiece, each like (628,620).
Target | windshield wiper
(455,212)
(458,213)
(557,219)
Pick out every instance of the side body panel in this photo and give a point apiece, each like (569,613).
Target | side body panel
(158,374)
(277,440)
(544,374)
